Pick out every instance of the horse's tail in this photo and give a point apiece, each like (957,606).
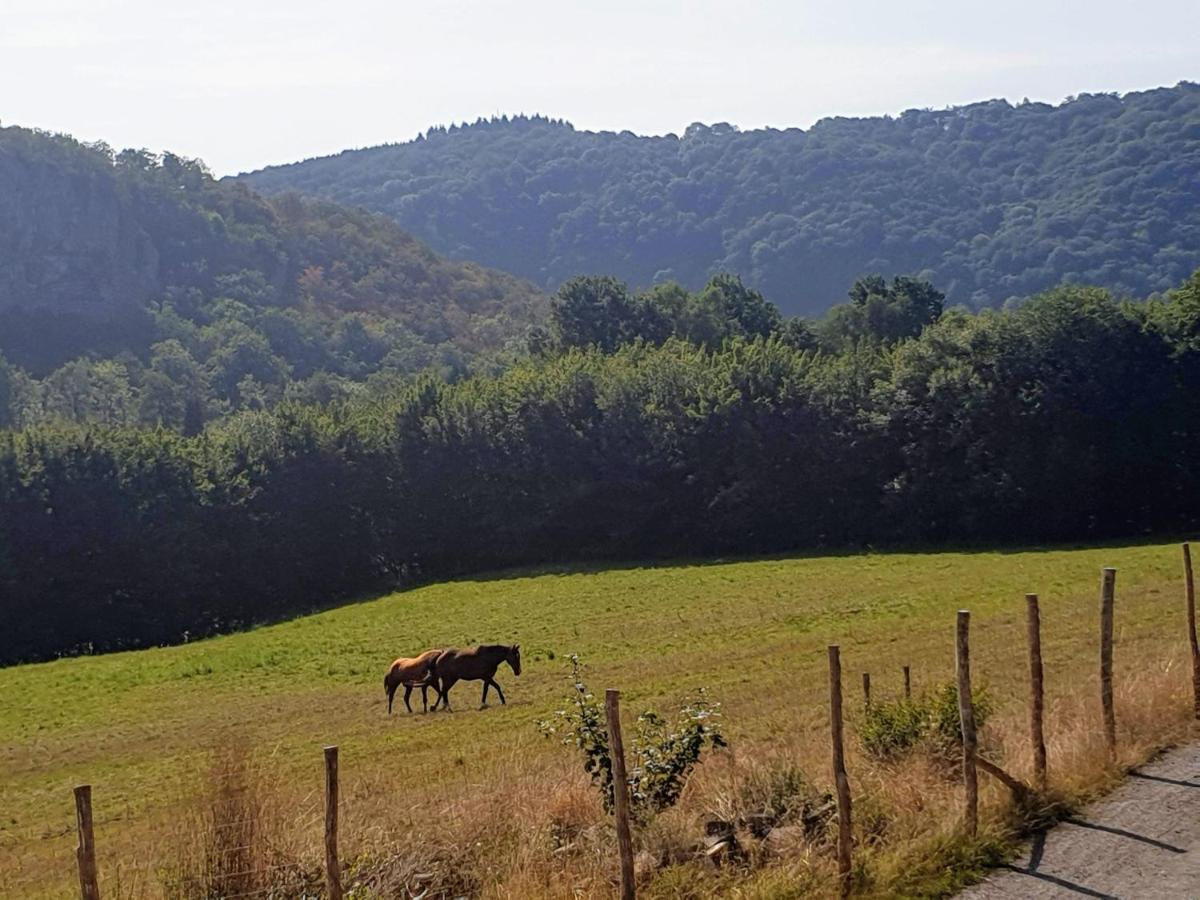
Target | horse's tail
(389,687)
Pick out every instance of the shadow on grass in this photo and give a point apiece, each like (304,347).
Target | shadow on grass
(590,566)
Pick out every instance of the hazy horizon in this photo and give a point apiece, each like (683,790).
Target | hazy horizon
(243,87)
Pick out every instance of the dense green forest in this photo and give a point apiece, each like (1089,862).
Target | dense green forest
(990,201)
(689,424)
(137,289)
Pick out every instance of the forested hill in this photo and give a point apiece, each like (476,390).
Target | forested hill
(990,200)
(105,253)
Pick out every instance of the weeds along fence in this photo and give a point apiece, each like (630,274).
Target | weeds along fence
(229,850)
(972,761)
(233,866)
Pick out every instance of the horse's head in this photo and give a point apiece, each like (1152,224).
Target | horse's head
(514,658)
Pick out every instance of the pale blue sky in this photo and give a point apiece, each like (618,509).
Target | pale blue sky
(245,83)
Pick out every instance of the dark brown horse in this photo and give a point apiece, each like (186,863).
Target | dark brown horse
(414,672)
(476,664)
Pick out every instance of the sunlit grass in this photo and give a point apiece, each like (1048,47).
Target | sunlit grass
(141,727)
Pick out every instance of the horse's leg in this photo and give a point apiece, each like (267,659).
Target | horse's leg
(483,702)
(494,684)
(444,692)
(407,693)
(425,698)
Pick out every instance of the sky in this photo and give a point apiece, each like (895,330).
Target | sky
(246,83)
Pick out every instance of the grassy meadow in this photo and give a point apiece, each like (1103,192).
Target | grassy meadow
(469,797)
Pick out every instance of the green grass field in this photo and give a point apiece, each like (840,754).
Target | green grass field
(140,726)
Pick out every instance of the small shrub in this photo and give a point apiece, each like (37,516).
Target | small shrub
(582,723)
(944,723)
(662,753)
(893,728)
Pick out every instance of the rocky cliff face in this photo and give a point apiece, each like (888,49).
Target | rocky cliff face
(70,237)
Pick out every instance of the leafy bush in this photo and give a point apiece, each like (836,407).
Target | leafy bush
(892,728)
(944,722)
(662,754)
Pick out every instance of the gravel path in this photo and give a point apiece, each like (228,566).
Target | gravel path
(1142,841)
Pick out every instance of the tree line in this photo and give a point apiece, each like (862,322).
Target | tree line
(687,425)
(252,356)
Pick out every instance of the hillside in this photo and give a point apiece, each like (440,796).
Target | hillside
(474,797)
(109,253)
(990,200)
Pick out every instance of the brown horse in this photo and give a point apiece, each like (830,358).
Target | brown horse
(415,672)
(476,664)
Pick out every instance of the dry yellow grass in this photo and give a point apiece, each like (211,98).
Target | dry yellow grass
(476,803)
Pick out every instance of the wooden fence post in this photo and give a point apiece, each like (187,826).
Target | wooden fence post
(867,689)
(1190,589)
(907,684)
(333,870)
(839,768)
(966,713)
(1037,696)
(616,748)
(1106,656)
(85,853)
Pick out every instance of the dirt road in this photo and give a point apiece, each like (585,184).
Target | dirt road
(1142,841)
